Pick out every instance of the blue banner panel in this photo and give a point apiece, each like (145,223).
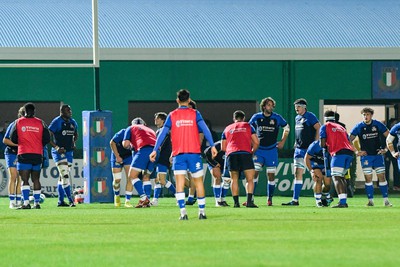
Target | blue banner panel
(385,80)
(97,133)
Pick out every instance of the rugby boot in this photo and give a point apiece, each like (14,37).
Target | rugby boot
(128,204)
(202,216)
(388,204)
(291,203)
(251,205)
(62,204)
(370,203)
(117,201)
(184,218)
(25,207)
(223,204)
(36,206)
(340,206)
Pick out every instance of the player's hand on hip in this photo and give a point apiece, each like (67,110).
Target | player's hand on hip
(153,156)
(214,152)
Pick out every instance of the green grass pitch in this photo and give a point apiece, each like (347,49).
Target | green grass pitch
(101,235)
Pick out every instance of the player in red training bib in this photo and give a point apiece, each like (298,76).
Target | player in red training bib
(185,124)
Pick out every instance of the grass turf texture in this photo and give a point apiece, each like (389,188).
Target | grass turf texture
(101,235)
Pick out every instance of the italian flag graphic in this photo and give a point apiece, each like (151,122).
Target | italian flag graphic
(100,185)
(99,126)
(99,155)
(389,78)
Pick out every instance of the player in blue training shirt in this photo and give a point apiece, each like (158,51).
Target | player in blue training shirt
(64,133)
(267,124)
(321,174)
(163,161)
(306,131)
(369,133)
(10,155)
(121,158)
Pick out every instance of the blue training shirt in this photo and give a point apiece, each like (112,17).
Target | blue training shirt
(316,152)
(267,128)
(118,138)
(395,131)
(304,129)
(64,132)
(10,149)
(370,136)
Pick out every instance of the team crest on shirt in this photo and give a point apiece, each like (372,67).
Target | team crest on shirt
(272,122)
(374,129)
(365,162)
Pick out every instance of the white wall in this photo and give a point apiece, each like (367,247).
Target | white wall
(351,115)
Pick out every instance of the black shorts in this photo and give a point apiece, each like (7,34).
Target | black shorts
(240,162)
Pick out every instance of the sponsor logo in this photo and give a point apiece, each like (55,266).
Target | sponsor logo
(30,129)
(370,135)
(67,132)
(266,128)
(238,130)
(184,123)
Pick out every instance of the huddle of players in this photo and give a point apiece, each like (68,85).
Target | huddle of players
(325,151)
(26,139)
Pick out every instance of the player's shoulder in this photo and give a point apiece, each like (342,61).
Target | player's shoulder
(278,116)
(359,125)
(121,132)
(309,114)
(395,127)
(56,120)
(379,123)
(314,145)
(257,115)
